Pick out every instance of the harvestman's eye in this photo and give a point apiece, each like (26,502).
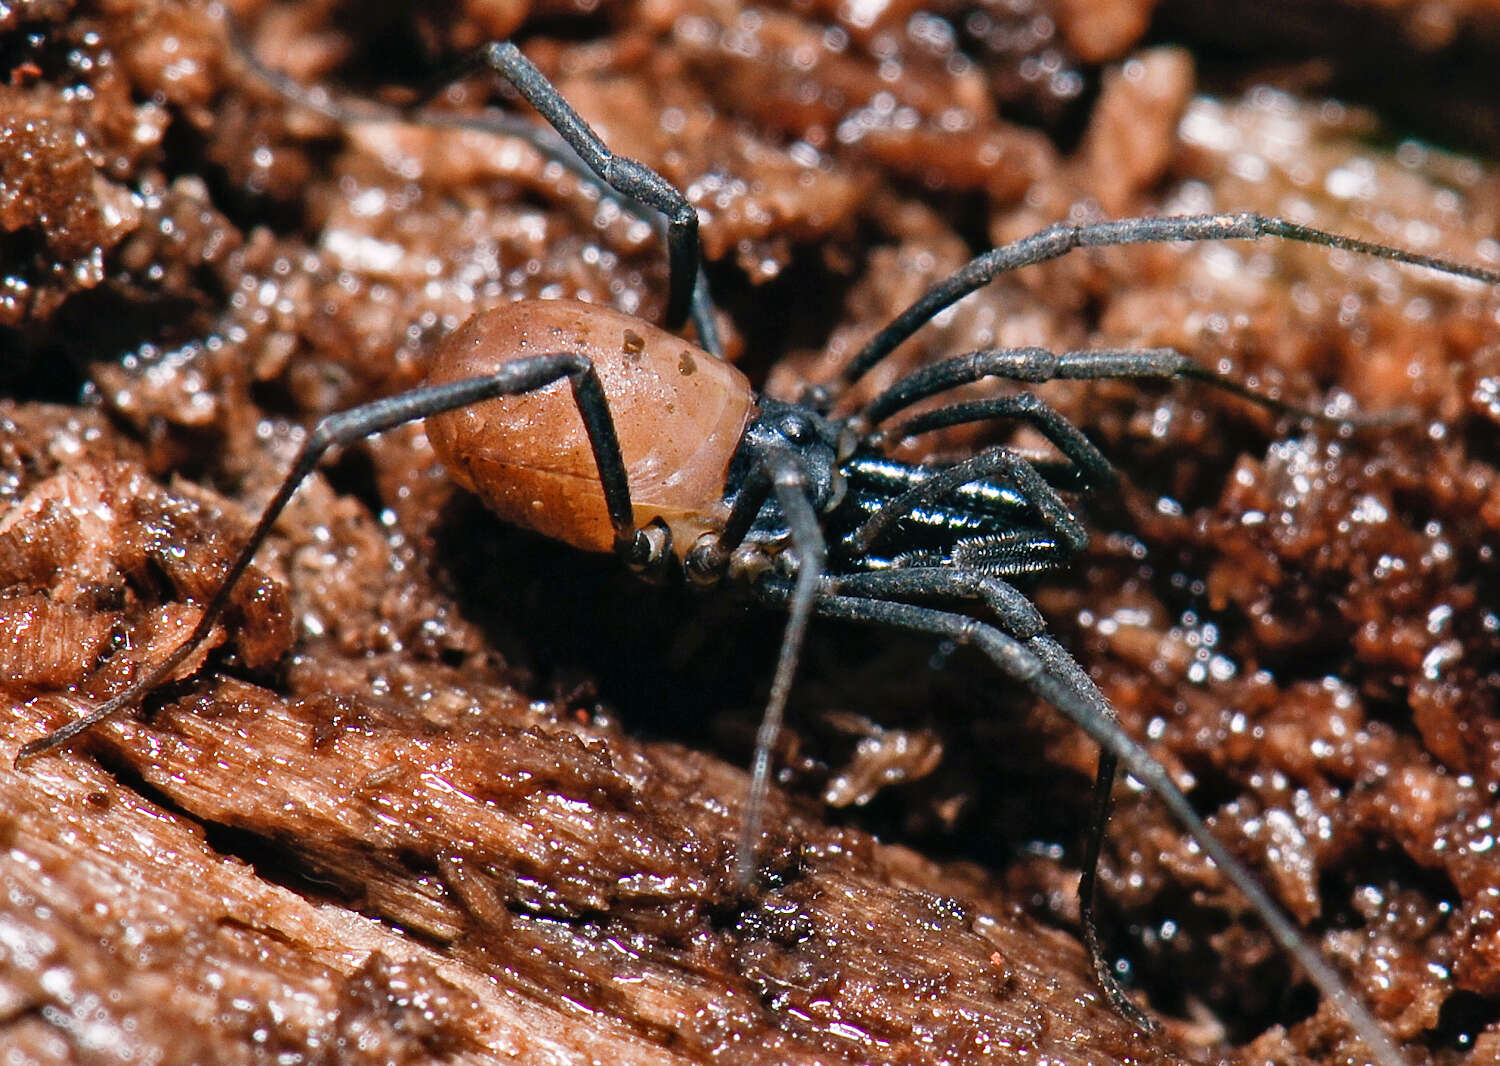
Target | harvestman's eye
(796,428)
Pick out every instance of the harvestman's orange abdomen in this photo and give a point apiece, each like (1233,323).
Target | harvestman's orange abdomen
(679,413)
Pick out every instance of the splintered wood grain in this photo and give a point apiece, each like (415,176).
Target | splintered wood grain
(253,875)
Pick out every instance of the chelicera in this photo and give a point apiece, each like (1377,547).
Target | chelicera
(616,435)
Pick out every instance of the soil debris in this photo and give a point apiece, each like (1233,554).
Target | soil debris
(441,791)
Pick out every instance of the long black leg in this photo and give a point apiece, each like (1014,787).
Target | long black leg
(1065,666)
(992,462)
(1019,618)
(1024,407)
(628,176)
(680,235)
(1016,660)
(1062,238)
(1035,365)
(790,486)
(554,147)
(522,375)
(777,473)
(1017,615)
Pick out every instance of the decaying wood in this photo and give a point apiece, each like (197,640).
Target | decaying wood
(401,810)
(496,885)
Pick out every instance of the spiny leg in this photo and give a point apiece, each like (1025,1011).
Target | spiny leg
(1011,553)
(1061,238)
(1019,662)
(1019,618)
(346,427)
(575,145)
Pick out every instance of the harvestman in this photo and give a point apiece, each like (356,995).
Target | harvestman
(801,506)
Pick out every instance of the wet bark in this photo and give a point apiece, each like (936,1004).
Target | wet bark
(439,790)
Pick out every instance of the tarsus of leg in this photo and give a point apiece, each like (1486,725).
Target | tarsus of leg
(1060,663)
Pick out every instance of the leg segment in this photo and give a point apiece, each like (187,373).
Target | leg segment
(627,176)
(1017,553)
(575,145)
(992,462)
(1016,613)
(346,427)
(1060,663)
(1015,659)
(1059,239)
(1019,618)
(1038,365)
(707,562)
(778,473)
(790,485)
(1032,365)
(1034,411)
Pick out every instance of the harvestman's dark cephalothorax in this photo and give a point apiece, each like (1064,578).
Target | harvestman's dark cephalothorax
(802,506)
